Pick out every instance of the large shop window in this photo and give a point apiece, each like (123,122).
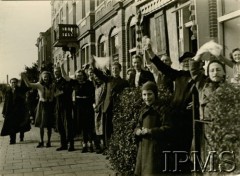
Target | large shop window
(114,45)
(102,47)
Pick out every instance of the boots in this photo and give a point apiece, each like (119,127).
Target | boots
(71,147)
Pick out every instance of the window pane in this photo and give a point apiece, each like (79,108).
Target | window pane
(231,38)
(114,45)
(83,56)
(132,37)
(83,9)
(101,49)
(87,54)
(230,6)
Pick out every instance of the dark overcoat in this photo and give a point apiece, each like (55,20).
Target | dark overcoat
(150,157)
(114,87)
(15,112)
(64,107)
(143,78)
(181,110)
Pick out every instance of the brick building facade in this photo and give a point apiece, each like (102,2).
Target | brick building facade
(82,28)
(44,46)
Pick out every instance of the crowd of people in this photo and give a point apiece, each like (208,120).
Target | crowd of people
(84,105)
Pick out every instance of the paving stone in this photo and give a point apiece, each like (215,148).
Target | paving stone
(24,159)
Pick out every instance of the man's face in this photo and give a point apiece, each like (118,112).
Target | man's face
(166,60)
(136,62)
(57,73)
(115,71)
(90,73)
(185,64)
(13,83)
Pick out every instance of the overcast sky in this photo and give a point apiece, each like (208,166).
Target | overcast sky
(20,25)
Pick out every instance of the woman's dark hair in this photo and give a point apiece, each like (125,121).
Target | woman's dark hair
(137,56)
(13,79)
(216,61)
(231,54)
(83,72)
(117,64)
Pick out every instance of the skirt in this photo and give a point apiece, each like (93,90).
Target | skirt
(45,115)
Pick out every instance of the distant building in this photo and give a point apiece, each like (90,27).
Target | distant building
(82,28)
(44,48)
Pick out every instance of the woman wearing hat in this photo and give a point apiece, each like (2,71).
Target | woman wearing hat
(206,85)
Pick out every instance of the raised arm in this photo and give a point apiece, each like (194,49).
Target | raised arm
(28,84)
(64,74)
(226,61)
(162,67)
(98,72)
(152,68)
(196,71)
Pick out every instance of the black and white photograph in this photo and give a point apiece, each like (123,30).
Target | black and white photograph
(120,87)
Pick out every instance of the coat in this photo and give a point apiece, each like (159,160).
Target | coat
(205,88)
(15,112)
(100,94)
(114,87)
(64,107)
(84,94)
(143,78)
(150,156)
(179,110)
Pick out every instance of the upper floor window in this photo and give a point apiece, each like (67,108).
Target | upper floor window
(84,54)
(67,13)
(132,33)
(102,47)
(114,44)
(83,8)
(74,12)
(61,16)
(99,2)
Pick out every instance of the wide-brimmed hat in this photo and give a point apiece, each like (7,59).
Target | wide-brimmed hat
(186,55)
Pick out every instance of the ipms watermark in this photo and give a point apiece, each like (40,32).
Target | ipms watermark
(213,161)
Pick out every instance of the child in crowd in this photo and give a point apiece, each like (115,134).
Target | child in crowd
(151,132)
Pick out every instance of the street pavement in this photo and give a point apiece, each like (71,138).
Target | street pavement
(24,159)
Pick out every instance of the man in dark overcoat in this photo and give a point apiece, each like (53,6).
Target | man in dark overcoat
(141,75)
(15,112)
(180,110)
(63,111)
